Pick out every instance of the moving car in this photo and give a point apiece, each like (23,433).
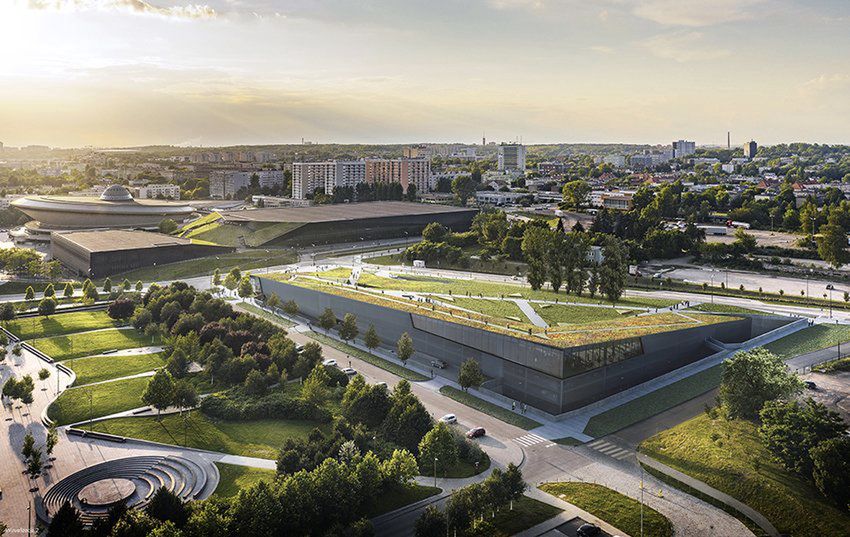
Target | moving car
(439,364)
(476,432)
(350,371)
(449,418)
(330,362)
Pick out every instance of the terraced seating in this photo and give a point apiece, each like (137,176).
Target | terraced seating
(188,479)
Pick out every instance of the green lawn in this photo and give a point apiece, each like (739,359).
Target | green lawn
(87,344)
(260,312)
(400,497)
(100,368)
(463,469)
(724,308)
(487,407)
(614,508)
(59,324)
(527,513)
(495,308)
(107,398)
(234,478)
(393,368)
(256,438)
(654,403)
(729,456)
(555,314)
(245,260)
(819,336)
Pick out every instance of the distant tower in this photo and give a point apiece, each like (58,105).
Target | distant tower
(728,140)
(750,149)
(483,138)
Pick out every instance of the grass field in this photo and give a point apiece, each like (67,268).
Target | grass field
(256,438)
(614,508)
(729,456)
(527,513)
(401,497)
(59,324)
(100,368)
(260,312)
(234,478)
(819,336)
(246,260)
(654,403)
(464,469)
(489,408)
(724,308)
(78,345)
(377,361)
(555,314)
(107,398)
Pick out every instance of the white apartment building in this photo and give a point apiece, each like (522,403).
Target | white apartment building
(225,184)
(308,176)
(407,171)
(684,148)
(512,158)
(154,191)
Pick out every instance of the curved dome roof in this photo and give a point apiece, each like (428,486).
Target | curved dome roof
(116,193)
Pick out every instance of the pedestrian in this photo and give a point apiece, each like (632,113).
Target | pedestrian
(513,406)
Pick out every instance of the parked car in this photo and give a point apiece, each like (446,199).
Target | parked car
(350,371)
(330,362)
(449,418)
(299,348)
(439,364)
(384,384)
(588,530)
(811,385)
(476,432)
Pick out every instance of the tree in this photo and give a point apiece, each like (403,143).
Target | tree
(614,268)
(831,470)
(107,285)
(167,507)
(404,348)
(231,281)
(400,469)
(255,383)
(50,290)
(66,523)
(121,309)
(47,307)
(371,339)
(139,286)
(177,364)
(69,290)
(28,446)
(246,288)
(90,294)
(463,187)
(168,226)
(438,443)
(51,440)
(435,232)
(273,301)
(575,194)
(29,294)
(750,378)
(35,464)
(348,328)
(744,242)
(832,243)
(536,242)
(315,387)
(431,523)
(470,375)
(126,285)
(159,392)
(791,430)
(43,374)
(327,319)
(290,307)
(216,277)
(7,311)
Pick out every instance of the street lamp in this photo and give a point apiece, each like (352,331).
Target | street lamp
(829,288)
(435,472)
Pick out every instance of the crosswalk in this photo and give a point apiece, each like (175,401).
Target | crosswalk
(530,440)
(606,448)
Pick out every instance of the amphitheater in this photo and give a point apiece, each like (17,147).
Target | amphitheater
(132,480)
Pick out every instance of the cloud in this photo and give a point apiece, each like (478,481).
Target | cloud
(139,7)
(837,84)
(695,13)
(517,4)
(683,47)
(602,49)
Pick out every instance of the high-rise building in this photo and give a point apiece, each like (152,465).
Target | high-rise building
(308,176)
(750,149)
(512,158)
(683,148)
(225,184)
(406,171)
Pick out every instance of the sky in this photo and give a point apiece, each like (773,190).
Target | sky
(112,73)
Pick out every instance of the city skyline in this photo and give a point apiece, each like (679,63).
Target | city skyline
(227,72)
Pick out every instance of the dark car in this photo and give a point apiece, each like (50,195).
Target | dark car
(439,364)
(588,530)
(476,432)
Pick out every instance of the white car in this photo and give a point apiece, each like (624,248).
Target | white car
(449,418)
(329,363)
(349,371)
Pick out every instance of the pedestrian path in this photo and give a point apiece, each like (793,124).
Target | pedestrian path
(607,448)
(530,440)
(531,313)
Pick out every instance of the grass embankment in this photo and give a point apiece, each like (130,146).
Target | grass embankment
(724,308)
(819,336)
(614,508)
(555,314)
(246,260)
(492,307)
(377,361)
(527,513)
(463,469)
(108,398)
(59,324)
(100,368)
(505,268)
(729,456)
(400,497)
(489,408)
(90,343)
(255,438)
(653,403)
(263,314)
(233,478)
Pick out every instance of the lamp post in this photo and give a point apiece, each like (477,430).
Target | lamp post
(829,288)
(435,472)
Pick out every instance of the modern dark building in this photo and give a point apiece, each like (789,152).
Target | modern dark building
(348,222)
(102,253)
(548,377)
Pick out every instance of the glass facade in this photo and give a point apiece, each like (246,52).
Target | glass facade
(581,359)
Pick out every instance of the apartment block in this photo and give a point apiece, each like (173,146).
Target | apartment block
(225,184)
